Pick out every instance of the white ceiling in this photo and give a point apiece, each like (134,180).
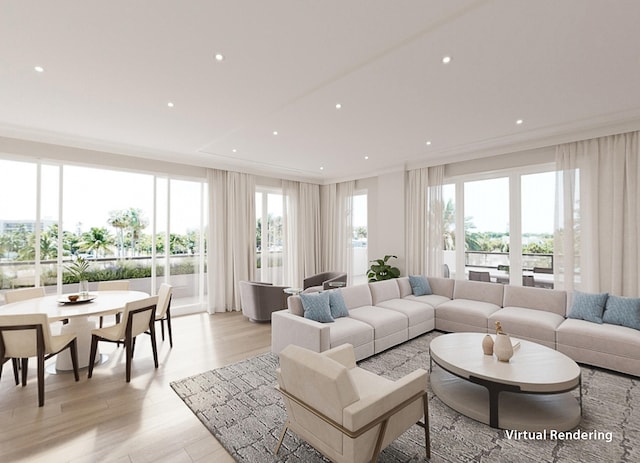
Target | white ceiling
(110,67)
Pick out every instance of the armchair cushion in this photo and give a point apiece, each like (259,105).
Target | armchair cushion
(316,306)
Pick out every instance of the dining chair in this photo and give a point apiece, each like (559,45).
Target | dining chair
(528,280)
(23,294)
(137,318)
(114,285)
(479,276)
(163,312)
(29,335)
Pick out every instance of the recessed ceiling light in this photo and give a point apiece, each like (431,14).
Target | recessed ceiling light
(170,104)
(39,69)
(219,57)
(275,132)
(428,143)
(321,168)
(338,106)
(519,122)
(234,150)
(446,59)
(366,157)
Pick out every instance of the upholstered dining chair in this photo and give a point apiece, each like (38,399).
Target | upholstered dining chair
(114,285)
(29,335)
(163,311)
(347,413)
(479,276)
(323,281)
(23,294)
(137,318)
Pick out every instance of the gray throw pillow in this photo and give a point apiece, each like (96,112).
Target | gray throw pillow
(337,305)
(419,285)
(316,307)
(587,306)
(624,311)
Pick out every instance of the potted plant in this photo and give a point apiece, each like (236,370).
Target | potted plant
(381,270)
(79,268)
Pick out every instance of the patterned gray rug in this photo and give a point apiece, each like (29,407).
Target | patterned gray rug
(241,408)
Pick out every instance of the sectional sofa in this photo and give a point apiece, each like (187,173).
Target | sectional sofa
(387,313)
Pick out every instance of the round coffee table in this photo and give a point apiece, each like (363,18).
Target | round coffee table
(531,392)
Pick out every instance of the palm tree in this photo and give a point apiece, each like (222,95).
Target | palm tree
(135,223)
(119,221)
(97,240)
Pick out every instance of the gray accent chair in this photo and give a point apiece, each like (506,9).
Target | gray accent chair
(323,281)
(258,299)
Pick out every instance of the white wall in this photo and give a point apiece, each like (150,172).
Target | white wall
(386,217)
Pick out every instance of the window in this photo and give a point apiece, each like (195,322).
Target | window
(269,236)
(128,225)
(360,258)
(486,223)
(508,222)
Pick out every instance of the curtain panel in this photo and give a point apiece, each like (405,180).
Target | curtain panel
(598,215)
(231,237)
(424,221)
(301,231)
(336,206)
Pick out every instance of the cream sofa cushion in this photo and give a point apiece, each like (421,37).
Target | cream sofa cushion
(549,300)
(493,293)
(529,324)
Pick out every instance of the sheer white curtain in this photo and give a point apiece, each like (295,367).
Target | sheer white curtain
(424,221)
(336,207)
(598,215)
(231,237)
(301,231)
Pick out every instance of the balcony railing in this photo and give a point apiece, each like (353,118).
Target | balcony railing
(496,259)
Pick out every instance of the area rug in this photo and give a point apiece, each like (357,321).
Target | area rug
(241,408)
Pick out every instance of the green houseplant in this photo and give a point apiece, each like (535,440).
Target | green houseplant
(79,268)
(381,270)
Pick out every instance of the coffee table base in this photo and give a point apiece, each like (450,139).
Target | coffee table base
(519,411)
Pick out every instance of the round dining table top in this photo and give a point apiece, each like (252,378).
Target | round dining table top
(59,307)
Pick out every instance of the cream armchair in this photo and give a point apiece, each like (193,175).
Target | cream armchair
(347,413)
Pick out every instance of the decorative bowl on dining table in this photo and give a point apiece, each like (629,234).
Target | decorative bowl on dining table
(75,298)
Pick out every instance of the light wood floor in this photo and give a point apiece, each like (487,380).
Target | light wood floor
(104,419)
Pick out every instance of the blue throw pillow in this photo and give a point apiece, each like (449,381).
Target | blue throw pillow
(624,311)
(588,306)
(316,306)
(419,285)
(337,305)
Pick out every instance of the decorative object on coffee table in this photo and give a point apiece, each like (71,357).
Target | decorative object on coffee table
(487,345)
(502,346)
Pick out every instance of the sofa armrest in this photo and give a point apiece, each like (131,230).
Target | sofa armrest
(369,408)
(287,328)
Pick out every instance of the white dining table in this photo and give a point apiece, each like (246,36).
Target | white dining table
(79,314)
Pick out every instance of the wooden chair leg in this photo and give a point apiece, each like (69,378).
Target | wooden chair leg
(154,347)
(92,354)
(73,349)
(169,328)
(16,367)
(128,345)
(162,327)
(41,379)
(25,366)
